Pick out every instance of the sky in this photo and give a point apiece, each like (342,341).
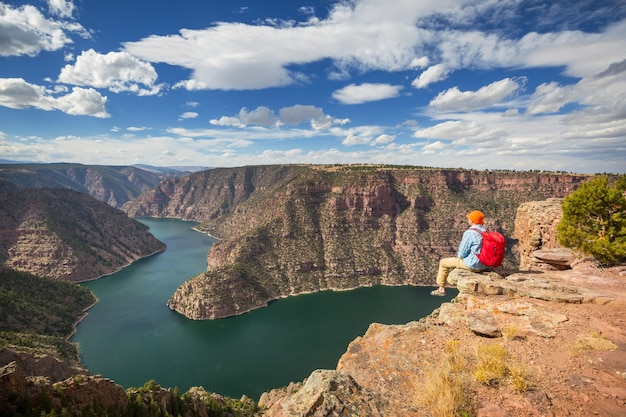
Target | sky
(477,84)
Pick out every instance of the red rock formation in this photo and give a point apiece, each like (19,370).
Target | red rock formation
(290,230)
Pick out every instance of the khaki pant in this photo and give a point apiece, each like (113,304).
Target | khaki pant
(445,266)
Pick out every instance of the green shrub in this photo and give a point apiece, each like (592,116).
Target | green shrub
(594,220)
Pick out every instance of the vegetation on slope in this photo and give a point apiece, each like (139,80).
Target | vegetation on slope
(38,314)
(594,220)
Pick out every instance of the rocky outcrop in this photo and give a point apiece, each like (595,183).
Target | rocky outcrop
(31,365)
(536,229)
(551,323)
(44,382)
(560,333)
(67,235)
(113,185)
(326,393)
(289,230)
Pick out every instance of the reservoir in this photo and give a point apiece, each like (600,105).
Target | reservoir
(131,336)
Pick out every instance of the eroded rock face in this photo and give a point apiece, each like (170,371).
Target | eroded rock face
(536,228)
(44,382)
(289,230)
(30,365)
(67,235)
(326,393)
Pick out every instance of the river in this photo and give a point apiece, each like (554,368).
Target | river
(131,336)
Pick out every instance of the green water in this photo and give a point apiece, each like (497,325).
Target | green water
(131,336)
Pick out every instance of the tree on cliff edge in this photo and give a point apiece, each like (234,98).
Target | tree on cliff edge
(594,220)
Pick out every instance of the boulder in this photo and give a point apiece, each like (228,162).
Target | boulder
(559,258)
(328,393)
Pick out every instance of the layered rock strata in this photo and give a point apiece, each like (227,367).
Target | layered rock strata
(289,230)
(67,235)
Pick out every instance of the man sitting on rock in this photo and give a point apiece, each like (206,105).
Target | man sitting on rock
(466,256)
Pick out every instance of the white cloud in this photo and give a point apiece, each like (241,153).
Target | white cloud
(25,31)
(227,121)
(292,116)
(511,113)
(550,98)
(383,139)
(370,35)
(16,93)
(421,62)
(297,114)
(455,100)
(82,102)
(583,54)
(61,8)
(434,147)
(367,92)
(116,71)
(431,75)
(188,115)
(261,116)
(360,135)
(463,133)
(367,35)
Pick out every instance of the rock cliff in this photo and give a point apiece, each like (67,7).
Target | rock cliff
(67,235)
(295,229)
(513,343)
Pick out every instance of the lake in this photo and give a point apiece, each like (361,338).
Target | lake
(131,336)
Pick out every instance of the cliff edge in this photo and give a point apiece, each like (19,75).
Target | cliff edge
(288,230)
(512,343)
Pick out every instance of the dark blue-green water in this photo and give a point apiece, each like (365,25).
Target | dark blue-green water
(131,336)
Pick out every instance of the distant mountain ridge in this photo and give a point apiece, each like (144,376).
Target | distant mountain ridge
(68,235)
(291,229)
(113,185)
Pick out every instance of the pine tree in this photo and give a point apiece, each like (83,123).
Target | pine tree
(594,220)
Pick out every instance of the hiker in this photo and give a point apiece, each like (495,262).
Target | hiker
(467,254)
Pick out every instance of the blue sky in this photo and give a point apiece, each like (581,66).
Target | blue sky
(489,84)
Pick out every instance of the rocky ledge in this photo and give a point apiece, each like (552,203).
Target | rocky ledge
(562,335)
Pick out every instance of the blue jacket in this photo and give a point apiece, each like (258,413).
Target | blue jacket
(470,246)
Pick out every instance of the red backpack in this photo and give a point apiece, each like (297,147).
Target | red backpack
(493,248)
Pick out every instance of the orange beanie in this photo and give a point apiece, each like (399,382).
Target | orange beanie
(476,217)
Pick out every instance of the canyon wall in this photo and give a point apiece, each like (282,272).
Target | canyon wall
(67,235)
(288,230)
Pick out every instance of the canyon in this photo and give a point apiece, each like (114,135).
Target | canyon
(561,331)
(293,229)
